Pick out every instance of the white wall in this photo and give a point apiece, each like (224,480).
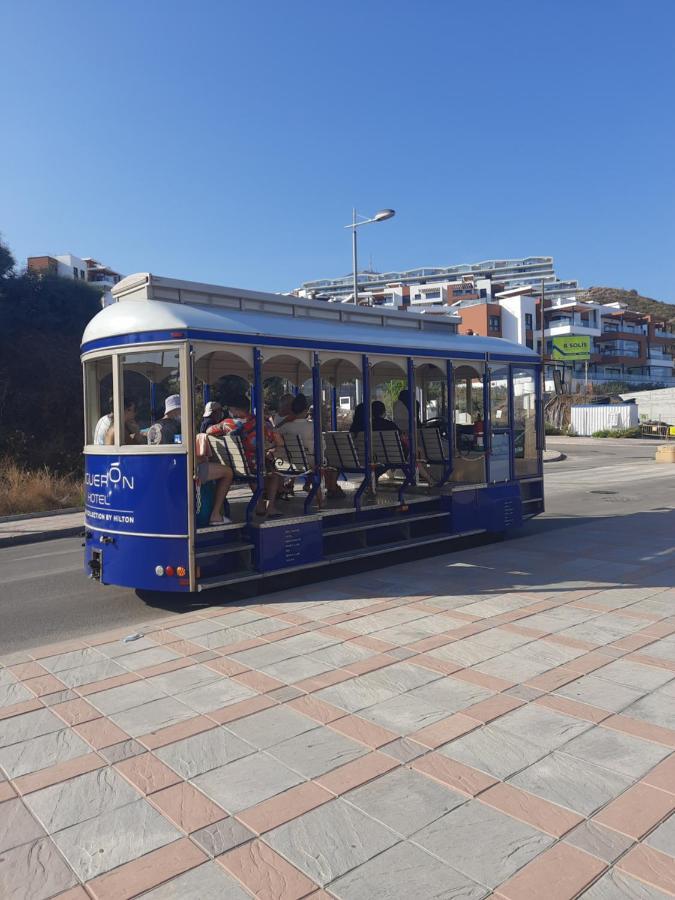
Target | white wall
(513,317)
(659,405)
(66,264)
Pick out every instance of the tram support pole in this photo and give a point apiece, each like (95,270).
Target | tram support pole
(450,391)
(318,443)
(258,400)
(367,434)
(411,474)
(487,425)
(512,425)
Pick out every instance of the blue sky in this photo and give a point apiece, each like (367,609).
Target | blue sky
(228,141)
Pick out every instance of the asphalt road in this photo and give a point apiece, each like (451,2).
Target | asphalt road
(45,595)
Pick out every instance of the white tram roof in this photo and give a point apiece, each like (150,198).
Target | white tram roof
(147,303)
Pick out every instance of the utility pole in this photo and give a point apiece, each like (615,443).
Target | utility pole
(354,261)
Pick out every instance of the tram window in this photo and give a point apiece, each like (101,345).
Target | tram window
(499,396)
(525,422)
(469,462)
(148,378)
(99,401)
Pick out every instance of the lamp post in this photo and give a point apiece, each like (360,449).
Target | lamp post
(378,217)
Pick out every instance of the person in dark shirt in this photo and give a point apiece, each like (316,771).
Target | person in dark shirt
(167,430)
(379,418)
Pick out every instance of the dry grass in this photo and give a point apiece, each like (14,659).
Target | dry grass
(25,491)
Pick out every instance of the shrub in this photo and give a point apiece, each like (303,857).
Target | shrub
(26,491)
(551,429)
(633,432)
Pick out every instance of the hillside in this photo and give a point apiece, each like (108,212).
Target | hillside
(636,302)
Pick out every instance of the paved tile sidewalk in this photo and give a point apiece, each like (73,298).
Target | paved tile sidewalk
(497,722)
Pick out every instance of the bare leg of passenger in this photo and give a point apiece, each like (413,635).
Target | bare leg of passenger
(222,487)
(273,483)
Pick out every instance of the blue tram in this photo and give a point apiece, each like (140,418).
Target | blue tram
(466,459)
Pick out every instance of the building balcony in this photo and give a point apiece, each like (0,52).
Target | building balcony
(560,328)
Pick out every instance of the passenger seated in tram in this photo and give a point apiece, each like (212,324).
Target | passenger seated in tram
(358,422)
(209,470)
(242,424)
(213,413)
(285,410)
(298,427)
(379,418)
(104,434)
(168,428)
(401,408)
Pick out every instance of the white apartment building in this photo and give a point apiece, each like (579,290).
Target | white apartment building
(78,268)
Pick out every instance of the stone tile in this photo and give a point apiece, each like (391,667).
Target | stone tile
(657,709)
(79,765)
(544,727)
(616,885)
(127,696)
(663,775)
(147,773)
(404,800)
(213,696)
(74,712)
(375,687)
(523,692)
(295,669)
(202,752)
(403,871)
(453,774)
(206,882)
(42,752)
(405,714)
(79,799)
(482,843)
(14,693)
(186,807)
(240,709)
(341,654)
(616,751)
(113,838)
(493,750)
(558,874)
(91,672)
(100,733)
(642,729)
(19,709)
(123,750)
(363,731)
(114,649)
(637,811)
(266,875)
(573,708)
(635,675)
(534,811)
(177,732)
(357,772)
(330,840)
(184,679)
(34,871)
(404,749)
(271,726)
(316,752)
(17,826)
(663,837)
(221,836)
(316,709)
(652,866)
(72,660)
(599,841)
(152,716)
(574,783)
(27,726)
(246,781)
(284,807)
(600,692)
(285,693)
(156,867)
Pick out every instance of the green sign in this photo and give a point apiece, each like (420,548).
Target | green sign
(571,348)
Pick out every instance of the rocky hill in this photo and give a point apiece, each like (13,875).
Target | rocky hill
(638,303)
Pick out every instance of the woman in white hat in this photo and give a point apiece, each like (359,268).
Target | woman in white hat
(168,428)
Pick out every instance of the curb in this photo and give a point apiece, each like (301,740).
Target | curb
(22,517)
(556,458)
(15,540)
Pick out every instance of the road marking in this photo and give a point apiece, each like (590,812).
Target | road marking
(42,555)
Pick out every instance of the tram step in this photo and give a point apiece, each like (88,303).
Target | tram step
(382,523)
(222,549)
(360,552)
(215,581)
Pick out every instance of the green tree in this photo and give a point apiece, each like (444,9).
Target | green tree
(7,261)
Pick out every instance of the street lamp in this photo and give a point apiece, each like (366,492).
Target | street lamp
(378,217)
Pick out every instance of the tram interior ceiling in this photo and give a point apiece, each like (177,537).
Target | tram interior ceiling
(405,435)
